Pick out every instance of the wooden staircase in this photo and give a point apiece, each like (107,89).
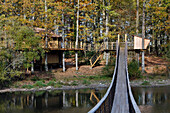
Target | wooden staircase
(95,57)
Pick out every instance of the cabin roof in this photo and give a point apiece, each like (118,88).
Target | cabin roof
(52,34)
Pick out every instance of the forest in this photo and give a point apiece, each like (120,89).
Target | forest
(91,21)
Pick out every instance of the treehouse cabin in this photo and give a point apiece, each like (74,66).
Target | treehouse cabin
(55,47)
(54,43)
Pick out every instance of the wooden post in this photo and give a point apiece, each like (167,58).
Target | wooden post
(46,99)
(65,44)
(32,67)
(57,43)
(70,44)
(125,37)
(64,68)
(81,44)
(77,98)
(64,98)
(118,38)
(76,60)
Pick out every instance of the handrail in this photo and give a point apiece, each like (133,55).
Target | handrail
(99,104)
(134,106)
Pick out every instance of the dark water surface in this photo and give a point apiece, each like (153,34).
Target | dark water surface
(150,100)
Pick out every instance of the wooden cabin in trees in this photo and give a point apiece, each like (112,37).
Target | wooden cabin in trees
(55,47)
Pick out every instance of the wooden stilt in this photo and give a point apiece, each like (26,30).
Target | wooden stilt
(64,69)
(77,99)
(32,67)
(46,62)
(76,55)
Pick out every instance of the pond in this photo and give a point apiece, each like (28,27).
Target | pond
(150,100)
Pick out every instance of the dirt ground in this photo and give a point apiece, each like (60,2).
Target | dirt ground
(156,65)
(153,66)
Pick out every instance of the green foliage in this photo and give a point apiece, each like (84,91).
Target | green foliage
(39,84)
(35,78)
(51,83)
(86,82)
(108,71)
(146,83)
(29,43)
(133,69)
(58,84)
(74,83)
(86,58)
(24,39)
(39,93)
(54,79)
(28,86)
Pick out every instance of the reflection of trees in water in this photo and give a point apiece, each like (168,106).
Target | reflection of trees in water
(45,100)
(150,97)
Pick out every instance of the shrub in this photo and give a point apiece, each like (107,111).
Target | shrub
(40,84)
(51,83)
(27,86)
(35,78)
(58,84)
(133,69)
(108,71)
(85,82)
(74,83)
(145,83)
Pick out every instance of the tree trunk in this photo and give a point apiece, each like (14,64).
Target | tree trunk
(107,30)
(143,37)
(137,25)
(77,36)
(63,44)
(46,46)
(46,40)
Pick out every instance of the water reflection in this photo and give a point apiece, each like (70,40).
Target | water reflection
(72,101)
(153,100)
(150,100)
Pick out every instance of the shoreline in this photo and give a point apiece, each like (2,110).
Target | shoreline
(92,86)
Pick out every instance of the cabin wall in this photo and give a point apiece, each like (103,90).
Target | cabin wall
(53,57)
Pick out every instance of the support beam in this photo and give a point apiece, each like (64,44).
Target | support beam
(32,67)
(64,68)
(46,99)
(76,56)
(118,38)
(64,98)
(107,58)
(46,62)
(125,37)
(77,98)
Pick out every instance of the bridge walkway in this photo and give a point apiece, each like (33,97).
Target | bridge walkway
(120,103)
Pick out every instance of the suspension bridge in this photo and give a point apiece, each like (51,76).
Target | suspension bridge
(118,98)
